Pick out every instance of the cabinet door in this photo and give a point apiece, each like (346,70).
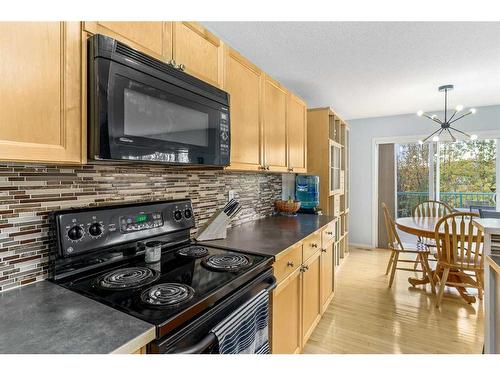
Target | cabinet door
(326,277)
(243,81)
(286,315)
(40,85)
(275,96)
(200,51)
(152,38)
(311,298)
(297,134)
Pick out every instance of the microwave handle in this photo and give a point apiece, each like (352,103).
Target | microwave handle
(211,338)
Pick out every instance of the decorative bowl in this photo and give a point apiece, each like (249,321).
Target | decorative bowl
(288,207)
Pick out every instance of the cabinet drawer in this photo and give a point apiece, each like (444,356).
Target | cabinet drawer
(287,263)
(328,235)
(311,245)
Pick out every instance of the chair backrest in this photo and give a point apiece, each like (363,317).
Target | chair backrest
(432,209)
(459,241)
(392,234)
(487,214)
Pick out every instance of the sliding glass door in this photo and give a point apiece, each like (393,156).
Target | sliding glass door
(462,174)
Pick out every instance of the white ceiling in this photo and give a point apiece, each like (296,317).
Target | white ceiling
(371,69)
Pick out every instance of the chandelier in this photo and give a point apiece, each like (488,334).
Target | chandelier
(445,126)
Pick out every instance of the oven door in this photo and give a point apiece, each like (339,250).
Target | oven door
(196,336)
(139,117)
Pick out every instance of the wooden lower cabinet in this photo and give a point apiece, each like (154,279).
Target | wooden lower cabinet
(287,314)
(327,276)
(311,296)
(302,295)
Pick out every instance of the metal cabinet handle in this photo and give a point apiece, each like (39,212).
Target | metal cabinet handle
(290,169)
(181,67)
(323,250)
(329,233)
(304,268)
(289,264)
(267,167)
(314,245)
(262,167)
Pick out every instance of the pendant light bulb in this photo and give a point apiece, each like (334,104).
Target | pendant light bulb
(473,110)
(459,107)
(420,113)
(435,138)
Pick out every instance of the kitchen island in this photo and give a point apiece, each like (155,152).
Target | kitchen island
(491,252)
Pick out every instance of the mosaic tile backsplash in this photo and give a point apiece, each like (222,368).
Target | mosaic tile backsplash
(29,193)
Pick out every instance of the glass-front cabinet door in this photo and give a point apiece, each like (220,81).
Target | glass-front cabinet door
(335,162)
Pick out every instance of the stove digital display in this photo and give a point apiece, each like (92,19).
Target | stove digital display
(141,221)
(141,218)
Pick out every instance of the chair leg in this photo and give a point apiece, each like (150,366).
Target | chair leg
(428,271)
(390,262)
(479,277)
(417,261)
(442,284)
(394,265)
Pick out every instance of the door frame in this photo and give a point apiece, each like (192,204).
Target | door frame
(488,134)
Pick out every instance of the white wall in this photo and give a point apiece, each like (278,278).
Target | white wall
(363,134)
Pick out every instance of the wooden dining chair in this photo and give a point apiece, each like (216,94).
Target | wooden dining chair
(395,244)
(459,252)
(432,208)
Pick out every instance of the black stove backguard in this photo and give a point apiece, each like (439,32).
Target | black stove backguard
(83,237)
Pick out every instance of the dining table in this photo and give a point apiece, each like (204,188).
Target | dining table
(424,227)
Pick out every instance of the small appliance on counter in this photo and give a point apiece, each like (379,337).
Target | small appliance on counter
(307,192)
(109,254)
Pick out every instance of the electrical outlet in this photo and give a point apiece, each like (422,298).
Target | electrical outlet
(231,195)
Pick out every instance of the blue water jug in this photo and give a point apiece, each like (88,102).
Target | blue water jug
(307,191)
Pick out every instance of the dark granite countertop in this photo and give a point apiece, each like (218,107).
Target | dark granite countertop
(47,318)
(271,235)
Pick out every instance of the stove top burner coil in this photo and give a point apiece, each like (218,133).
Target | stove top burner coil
(227,262)
(193,252)
(127,278)
(167,295)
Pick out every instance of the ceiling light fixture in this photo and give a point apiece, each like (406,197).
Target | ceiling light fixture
(445,126)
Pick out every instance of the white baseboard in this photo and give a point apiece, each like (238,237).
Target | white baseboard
(360,245)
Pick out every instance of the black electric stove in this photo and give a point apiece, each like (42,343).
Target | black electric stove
(100,254)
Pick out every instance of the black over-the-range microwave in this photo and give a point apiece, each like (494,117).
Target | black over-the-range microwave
(142,109)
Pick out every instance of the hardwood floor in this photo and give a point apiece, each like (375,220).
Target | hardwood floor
(366,316)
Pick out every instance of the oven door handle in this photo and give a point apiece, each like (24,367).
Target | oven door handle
(211,338)
(200,346)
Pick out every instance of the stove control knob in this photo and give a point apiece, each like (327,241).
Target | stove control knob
(188,213)
(95,229)
(75,233)
(177,215)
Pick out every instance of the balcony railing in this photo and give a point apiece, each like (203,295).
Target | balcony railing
(409,199)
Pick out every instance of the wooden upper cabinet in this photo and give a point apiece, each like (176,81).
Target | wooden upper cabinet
(275,103)
(297,134)
(199,50)
(243,81)
(40,92)
(286,316)
(152,38)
